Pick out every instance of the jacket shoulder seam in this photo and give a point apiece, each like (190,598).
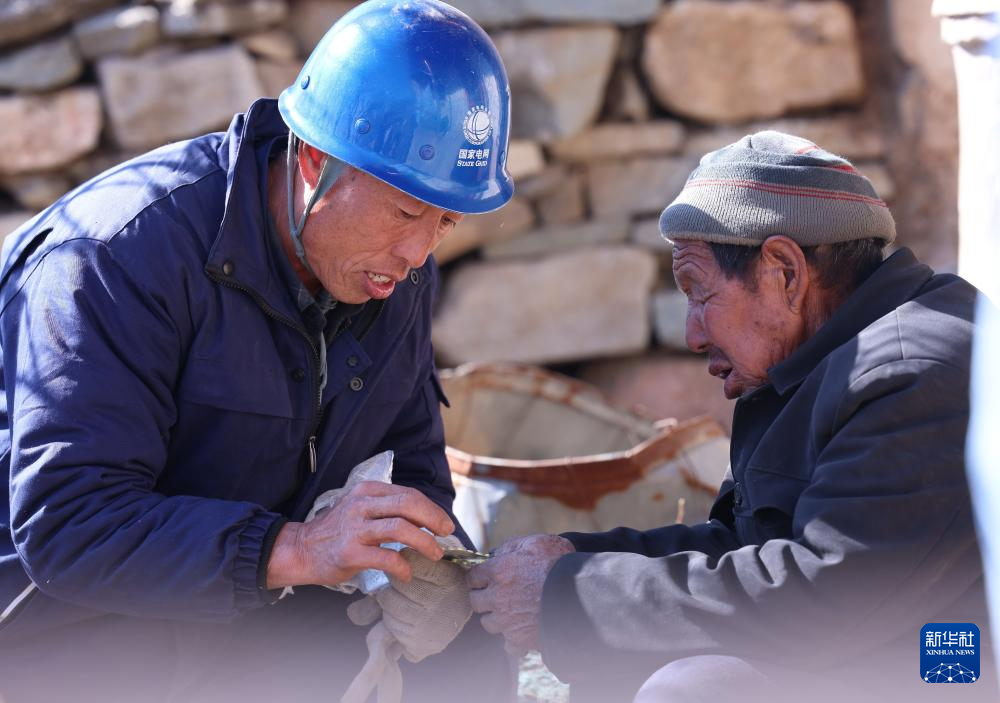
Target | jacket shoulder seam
(106,242)
(922,360)
(27,277)
(152,203)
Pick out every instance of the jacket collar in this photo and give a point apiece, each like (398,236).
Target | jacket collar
(241,254)
(897,280)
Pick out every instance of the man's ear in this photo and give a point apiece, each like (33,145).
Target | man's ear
(310,163)
(782,260)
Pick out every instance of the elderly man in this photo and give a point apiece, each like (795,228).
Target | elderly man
(844,525)
(199,342)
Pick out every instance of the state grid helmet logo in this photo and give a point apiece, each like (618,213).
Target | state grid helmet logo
(478,125)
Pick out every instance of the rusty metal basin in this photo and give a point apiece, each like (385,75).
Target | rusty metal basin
(531,450)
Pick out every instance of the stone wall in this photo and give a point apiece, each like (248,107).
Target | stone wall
(614,101)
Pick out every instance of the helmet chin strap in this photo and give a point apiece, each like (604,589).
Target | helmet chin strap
(328,174)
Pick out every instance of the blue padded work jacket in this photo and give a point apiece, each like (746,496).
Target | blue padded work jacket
(160,391)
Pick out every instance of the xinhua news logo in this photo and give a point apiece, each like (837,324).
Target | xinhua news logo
(949,652)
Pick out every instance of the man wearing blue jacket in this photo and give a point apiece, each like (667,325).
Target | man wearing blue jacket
(198,342)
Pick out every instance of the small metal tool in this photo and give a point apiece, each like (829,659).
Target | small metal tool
(465,557)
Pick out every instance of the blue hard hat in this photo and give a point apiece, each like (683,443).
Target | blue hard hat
(414,93)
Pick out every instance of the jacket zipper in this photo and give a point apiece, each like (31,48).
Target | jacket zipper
(317,415)
(312,454)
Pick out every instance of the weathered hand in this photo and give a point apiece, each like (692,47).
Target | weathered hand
(507,588)
(344,540)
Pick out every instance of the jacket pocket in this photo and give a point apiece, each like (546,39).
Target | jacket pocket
(249,389)
(768,500)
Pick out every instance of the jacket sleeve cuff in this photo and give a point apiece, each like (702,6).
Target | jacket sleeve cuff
(253,553)
(587,541)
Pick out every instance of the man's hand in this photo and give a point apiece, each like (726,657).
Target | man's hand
(507,588)
(344,540)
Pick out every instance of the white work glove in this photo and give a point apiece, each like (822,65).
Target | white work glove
(428,612)
(418,618)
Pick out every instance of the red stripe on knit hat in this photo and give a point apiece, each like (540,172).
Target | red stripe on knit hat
(839,167)
(798,191)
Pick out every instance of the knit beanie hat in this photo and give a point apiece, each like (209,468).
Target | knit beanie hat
(773,183)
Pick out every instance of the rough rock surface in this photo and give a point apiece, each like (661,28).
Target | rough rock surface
(916,35)
(273,44)
(558,194)
(662,384)
(492,12)
(86,8)
(97,162)
(543,183)
(565,203)
(21,20)
(626,100)
(638,186)
(182,18)
(36,191)
(48,131)
(151,99)
(476,230)
(846,136)
(619,141)
(524,159)
(558,76)
(124,30)
(646,233)
(881,179)
(925,139)
(586,303)
(275,76)
(309,20)
(555,240)
(700,64)
(42,66)
(669,317)
(624,12)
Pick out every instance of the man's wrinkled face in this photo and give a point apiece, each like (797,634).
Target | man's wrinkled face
(364,236)
(744,328)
